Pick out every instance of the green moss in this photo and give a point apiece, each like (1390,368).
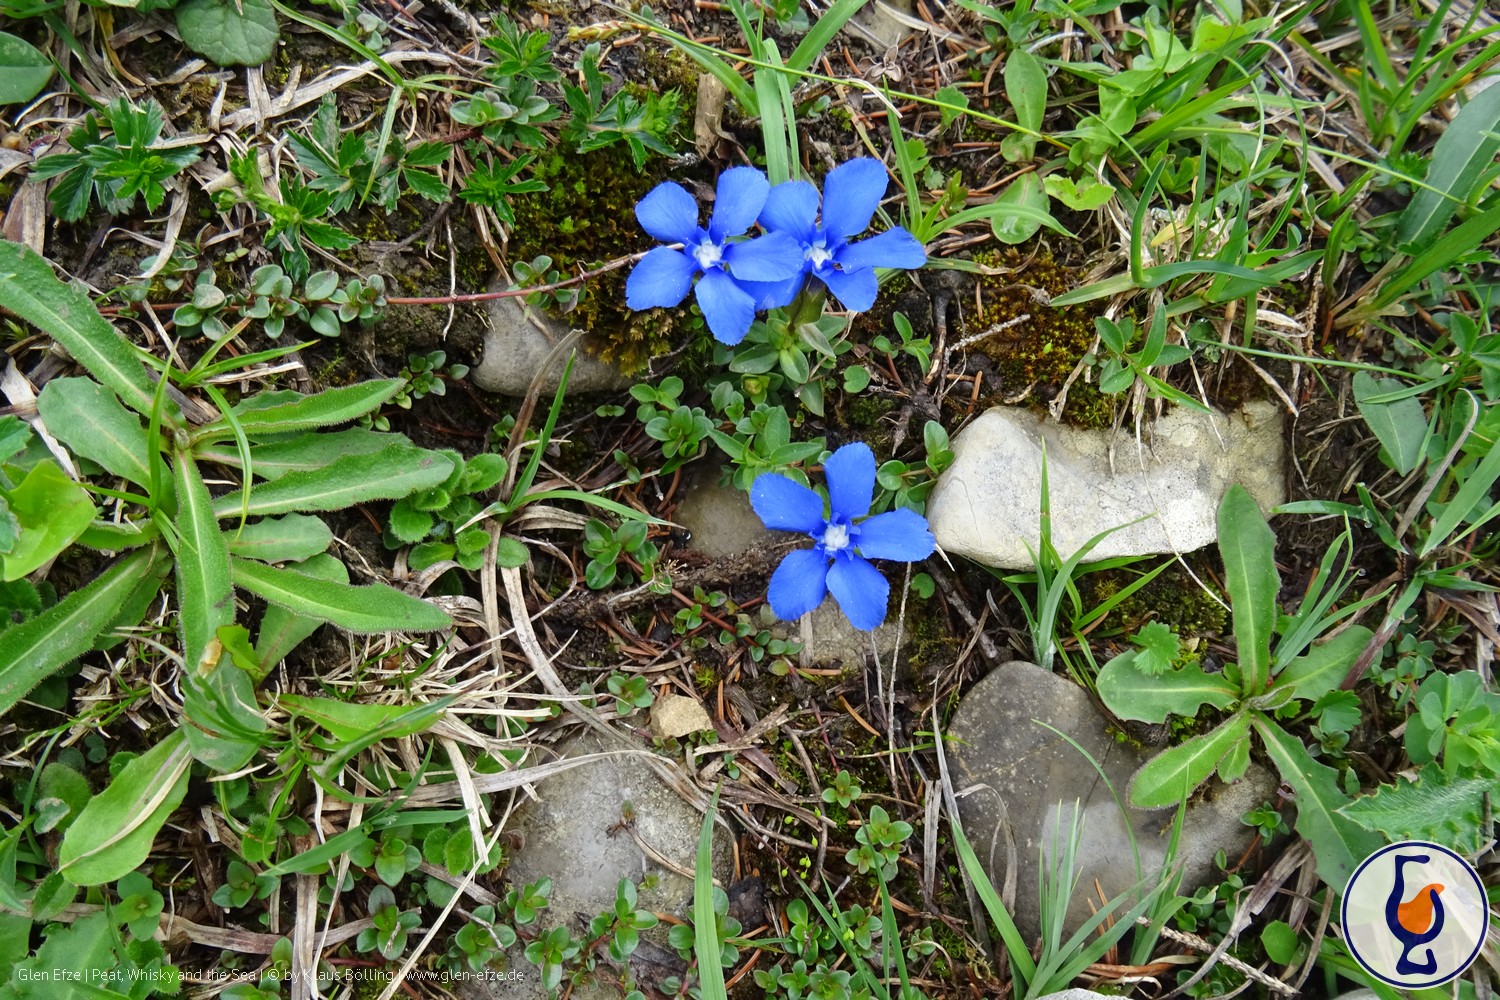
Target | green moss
(1042,351)
(1174,598)
(587,217)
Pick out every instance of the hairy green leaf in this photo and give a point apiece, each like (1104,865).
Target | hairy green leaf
(205,598)
(1172,775)
(372,608)
(51,511)
(348,721)
(291,538)
(306,413)
(1464,155)
(1249,551)
(114,833)
(281,630)
(387,475)
(230,32)
(1322,668)
(1132,693)
(1437,807)
(303,453)
(1338,844)
(30,289)
(90,420)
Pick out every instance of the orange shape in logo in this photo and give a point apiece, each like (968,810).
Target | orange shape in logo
(1416,914)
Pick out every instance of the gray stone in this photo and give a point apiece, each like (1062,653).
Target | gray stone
(723,525)
(986,506)
(1016,777)
(516,346)
(1075,994)
(573,834)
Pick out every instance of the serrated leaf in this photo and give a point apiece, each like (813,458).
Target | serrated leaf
(1436,807)
(24,70)
(114,833)
(1249,551)
(371,608)
(291,538)
(30,289)
(1131,693)
(387,475)
(1158,648)
(1322,668)
(1399,425)
(91,421)
(1171,775)
(1338,844)
(230,32)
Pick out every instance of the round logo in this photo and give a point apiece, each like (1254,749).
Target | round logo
(1415,914)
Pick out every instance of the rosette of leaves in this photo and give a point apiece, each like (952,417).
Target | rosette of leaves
(435,521)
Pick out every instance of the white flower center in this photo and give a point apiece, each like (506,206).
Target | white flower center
(708,254)
(818,254)
(835,538)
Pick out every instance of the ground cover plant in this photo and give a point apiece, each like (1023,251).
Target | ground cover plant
(293,613)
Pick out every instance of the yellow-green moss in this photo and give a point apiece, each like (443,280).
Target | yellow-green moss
(584,218)
(1173,598)
(1042,351)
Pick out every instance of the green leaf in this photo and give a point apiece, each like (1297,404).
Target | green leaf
(1280,941)
(511,553)
(205,598)
(952,102)
(1020,210)
(1338,844)
(706,943)
(90,420)
(291,538)
(1436,807)
(51,510)
(281,630)
(1322,668)
(24,70)
(407,523)
(1026,90)
(1094,194)
(114,833)
(1158,648)
(1400,425)
(322,409)
(387,475)
(303,453)
(30,289)
(224,726)
(1131,693)
(349,721)
(1463,156)
(230,32)
(372,608)
(1249,551)
(1475,488)
(1171,775)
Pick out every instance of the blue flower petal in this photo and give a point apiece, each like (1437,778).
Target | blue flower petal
(773,257)
(860,589)
(892,248)
(662,278)
(786,505)
(728,309)
(800,583)
(900,534)
(668,213)
(851,193)
(851,480)
(856,290)
(740,196)
(774,294)
(792,207)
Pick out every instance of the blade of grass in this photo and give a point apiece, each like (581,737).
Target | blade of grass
(706,945)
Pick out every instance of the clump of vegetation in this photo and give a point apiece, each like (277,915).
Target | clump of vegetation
(584,218)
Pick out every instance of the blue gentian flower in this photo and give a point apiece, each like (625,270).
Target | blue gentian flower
(664,275)
(839,559)
(851,193)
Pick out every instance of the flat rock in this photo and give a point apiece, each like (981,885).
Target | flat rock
(987,505)
(516,346)
(1017,779)
(567,836)
(723,525)
(674,716)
